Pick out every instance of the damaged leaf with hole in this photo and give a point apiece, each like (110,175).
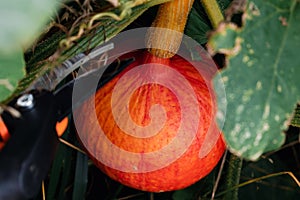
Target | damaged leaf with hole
(261,57)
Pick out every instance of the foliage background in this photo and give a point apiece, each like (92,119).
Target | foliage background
(72,175)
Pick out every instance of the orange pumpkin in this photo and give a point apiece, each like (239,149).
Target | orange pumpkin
(147,126)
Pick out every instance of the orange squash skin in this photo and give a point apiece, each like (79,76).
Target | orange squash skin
(184,171)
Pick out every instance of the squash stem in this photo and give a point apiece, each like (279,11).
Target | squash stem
(213,11)
(170,22)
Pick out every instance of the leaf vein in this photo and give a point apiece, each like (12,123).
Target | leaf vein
(275,74)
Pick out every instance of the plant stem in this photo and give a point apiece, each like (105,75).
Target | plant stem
(213,11)
(233,177)
(296,119)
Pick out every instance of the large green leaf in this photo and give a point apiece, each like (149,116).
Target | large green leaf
(22,21)
(12,69)
(262,75)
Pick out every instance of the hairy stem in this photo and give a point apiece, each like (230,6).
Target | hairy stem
(233,177)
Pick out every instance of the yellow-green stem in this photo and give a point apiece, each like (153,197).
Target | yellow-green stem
(213,11)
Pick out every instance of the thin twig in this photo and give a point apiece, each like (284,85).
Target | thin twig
(43,190)
(283,147)
(151,196)
(219,176)
(71,145)
(131,196)
(261,178)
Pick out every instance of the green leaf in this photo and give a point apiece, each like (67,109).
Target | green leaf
(12,69)
(61,173)
(105,29)
(262,76)
(56,170)
(198,24)
(81,176)
(22,21)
